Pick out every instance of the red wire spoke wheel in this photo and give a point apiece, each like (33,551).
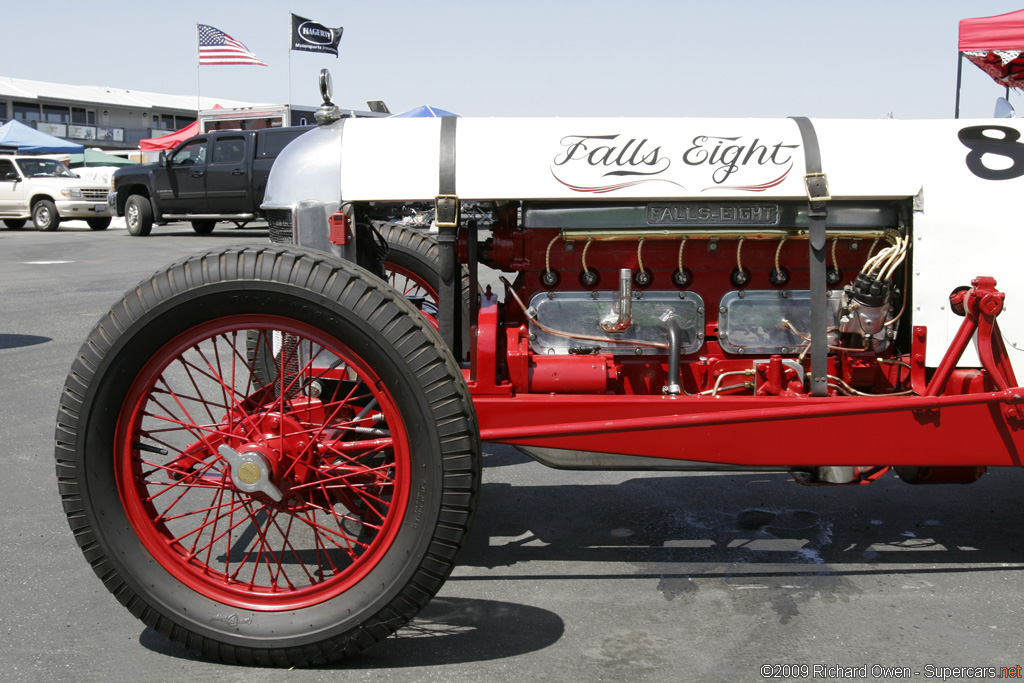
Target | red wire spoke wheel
(268,456)
(336,462)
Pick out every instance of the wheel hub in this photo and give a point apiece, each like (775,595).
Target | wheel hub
(275,455)
(251,471)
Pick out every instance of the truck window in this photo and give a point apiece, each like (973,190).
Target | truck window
(192,153)
(6,166)
(271,144)
(228,151)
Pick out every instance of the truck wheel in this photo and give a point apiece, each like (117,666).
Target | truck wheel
(45,216)
(203,227)
(289,527)
(138,215)
(412,268)
(15,223)
(98,223)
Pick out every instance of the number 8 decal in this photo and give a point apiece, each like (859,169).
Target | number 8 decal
(980,144)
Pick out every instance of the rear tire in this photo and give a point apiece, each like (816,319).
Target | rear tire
(412,268)
(203,227)
(45,216)
(98,223)
(377,477)
(138,215)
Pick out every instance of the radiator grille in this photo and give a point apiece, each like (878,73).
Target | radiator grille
(95,195)
(280,222)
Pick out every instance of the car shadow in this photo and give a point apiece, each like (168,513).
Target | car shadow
(448,631)
(15,341)
(697,522)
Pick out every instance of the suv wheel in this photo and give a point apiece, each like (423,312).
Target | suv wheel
(45,216)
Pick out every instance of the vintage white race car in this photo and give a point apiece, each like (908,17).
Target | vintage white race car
(272,455)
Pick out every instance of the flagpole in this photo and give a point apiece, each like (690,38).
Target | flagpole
(198,83)
(289,102)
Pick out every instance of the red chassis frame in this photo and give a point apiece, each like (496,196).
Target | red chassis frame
(959,418)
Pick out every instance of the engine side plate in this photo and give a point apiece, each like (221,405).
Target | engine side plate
(767,321)
(578,315)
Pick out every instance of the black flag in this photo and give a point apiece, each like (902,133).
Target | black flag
(310,36)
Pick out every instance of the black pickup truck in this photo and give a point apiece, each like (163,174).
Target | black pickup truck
(218,176)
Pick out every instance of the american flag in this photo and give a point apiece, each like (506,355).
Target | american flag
(217,47)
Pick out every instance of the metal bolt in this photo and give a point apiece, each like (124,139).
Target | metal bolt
(637,352)
(551,295)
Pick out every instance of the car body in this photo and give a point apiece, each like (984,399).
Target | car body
(45,191)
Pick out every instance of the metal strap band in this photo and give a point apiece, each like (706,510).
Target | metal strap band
(447,203)
(817,197)
(446,217)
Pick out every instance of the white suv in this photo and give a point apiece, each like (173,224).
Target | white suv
(47,192)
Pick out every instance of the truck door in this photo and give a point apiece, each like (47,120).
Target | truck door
(11,194)
(182,189)
(227,177)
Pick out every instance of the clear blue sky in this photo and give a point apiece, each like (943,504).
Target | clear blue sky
(532,58)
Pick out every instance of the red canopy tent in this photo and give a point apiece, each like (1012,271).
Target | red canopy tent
(996,46)
(171,139)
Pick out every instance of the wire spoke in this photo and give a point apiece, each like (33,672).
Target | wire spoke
(332,455)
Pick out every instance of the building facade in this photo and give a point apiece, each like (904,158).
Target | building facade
(108,118)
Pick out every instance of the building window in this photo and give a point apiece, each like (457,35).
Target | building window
(83,117)
(27,111)
(53,114)
(163,121)
(182,121)
(3,111)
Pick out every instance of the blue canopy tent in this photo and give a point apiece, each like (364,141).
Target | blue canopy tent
(31,141)
(423,111)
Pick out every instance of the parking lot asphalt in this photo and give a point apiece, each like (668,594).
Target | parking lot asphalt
(568,576)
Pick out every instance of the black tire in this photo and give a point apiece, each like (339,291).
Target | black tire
(98,223)
(411,269)
(412,260)
(138,215)
(15,223)
(203,227)
(45,216)
(117,434)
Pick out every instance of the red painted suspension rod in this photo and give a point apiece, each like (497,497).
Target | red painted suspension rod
(831,407)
